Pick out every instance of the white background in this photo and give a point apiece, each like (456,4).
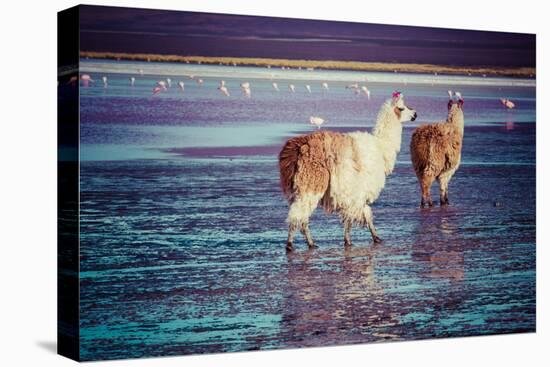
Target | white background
(28,182)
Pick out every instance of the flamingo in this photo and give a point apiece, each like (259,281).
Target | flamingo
(104,78)
(354,87)
(246,89)
(157,90)
(200,81)
(169,82)
(86,79)
(308,88)
(317,121)
(181,85)
(275,86)
(132,81)
(507,103)
(223,88)
(291,87)
(325,86)
(366,91)
(161,84)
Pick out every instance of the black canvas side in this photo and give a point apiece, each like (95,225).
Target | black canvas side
(68,184)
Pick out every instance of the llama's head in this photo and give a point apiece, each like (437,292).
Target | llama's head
(455,106)
(401,110)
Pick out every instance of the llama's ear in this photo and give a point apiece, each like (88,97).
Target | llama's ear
(396,96)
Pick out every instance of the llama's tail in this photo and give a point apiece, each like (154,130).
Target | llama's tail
(429,166)
(288,164)
(421,153)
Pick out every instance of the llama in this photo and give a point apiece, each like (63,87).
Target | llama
(343,172)
(436,150)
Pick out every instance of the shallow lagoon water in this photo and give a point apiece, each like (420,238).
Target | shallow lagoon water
(183,232)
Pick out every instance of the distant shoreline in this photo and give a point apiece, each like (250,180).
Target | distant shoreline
(525,72)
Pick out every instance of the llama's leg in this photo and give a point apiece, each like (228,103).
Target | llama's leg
(443,191)
(298,217)
(347,232)
(368,217)
(444,180)
(290,239)
(425,185)
(348,216)
(307,234)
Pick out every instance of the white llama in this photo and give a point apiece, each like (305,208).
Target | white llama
(343,172)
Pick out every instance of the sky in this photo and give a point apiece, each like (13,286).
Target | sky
(128,30)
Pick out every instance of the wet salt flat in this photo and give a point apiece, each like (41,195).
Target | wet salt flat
(183,233)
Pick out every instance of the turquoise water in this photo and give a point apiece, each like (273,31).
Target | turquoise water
(182,219)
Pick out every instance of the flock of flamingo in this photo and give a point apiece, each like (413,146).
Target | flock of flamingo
(164,84)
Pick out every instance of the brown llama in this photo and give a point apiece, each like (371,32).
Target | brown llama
(436,150)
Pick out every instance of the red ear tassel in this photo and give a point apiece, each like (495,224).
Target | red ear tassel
(449,105)
(460,103)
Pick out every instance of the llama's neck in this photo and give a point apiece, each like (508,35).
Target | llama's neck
(388,131)
(456,119)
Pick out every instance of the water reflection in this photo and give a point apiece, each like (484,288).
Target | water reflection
(509,121)
(439,244)
(333,295)
(438,254)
